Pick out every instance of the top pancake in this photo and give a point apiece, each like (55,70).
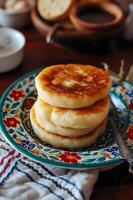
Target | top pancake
(72,85)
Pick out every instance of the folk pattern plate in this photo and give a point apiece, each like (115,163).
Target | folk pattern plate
(16,127)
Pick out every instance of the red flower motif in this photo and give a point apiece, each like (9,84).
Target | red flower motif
(29,103)
(70,157)
(131,106)
(11,122)
(16,94)
(129,133)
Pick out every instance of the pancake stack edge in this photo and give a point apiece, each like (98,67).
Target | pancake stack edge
(72,106)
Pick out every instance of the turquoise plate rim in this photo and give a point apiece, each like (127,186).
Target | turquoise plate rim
(43,160)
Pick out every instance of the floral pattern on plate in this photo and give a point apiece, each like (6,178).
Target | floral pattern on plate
(16,127)
(125,91)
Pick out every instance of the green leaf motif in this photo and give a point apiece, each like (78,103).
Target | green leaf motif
(85,153)
(31,85)
(43,155)
(20,128)
(15,105)
(39,146)
(54,151)
(7,105)
(11,131)
(53,158)
(9,100)
(89,160)
(14,136)
(101,159)
(120,95)
(27,90)
(4,114)
(26,136)
(14,111)
(24,82)
(22,134)
(95,153)
(47,150)
(19,86)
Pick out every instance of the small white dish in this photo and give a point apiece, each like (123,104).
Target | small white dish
(12,44)
(14,19)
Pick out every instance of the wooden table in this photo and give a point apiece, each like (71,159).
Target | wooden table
(116,184)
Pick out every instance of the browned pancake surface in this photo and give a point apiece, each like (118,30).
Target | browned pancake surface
(97,107)
(75,80)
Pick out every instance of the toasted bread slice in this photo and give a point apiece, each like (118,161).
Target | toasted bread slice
(66,142)
(72,85)
(54,10)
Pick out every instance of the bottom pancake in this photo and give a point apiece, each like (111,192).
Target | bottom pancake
(63,141)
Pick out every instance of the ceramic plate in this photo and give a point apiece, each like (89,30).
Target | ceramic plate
(15,125)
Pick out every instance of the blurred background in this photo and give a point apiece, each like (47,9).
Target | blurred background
(84,25)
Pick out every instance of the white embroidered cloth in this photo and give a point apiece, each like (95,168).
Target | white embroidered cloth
(25,179)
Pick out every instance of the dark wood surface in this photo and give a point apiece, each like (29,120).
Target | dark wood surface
(115,184)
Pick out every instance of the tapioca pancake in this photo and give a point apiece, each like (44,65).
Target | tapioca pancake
(83,118)
(44,121)
(72,85)
(66,142)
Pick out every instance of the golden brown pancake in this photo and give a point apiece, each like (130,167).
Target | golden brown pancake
(63,141)
(73,86)
(83,118)
(44,121)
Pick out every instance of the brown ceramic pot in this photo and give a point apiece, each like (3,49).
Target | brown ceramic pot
(97,15)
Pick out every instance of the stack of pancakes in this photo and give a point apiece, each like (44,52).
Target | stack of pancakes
(72,105)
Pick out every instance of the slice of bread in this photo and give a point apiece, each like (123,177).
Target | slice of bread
(54,10)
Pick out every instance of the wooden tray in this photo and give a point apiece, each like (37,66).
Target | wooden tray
(64,32)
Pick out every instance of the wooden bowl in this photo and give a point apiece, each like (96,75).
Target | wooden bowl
(65,32)
(97,15)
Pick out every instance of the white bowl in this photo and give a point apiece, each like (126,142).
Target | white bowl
(14,20)
(12,44)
